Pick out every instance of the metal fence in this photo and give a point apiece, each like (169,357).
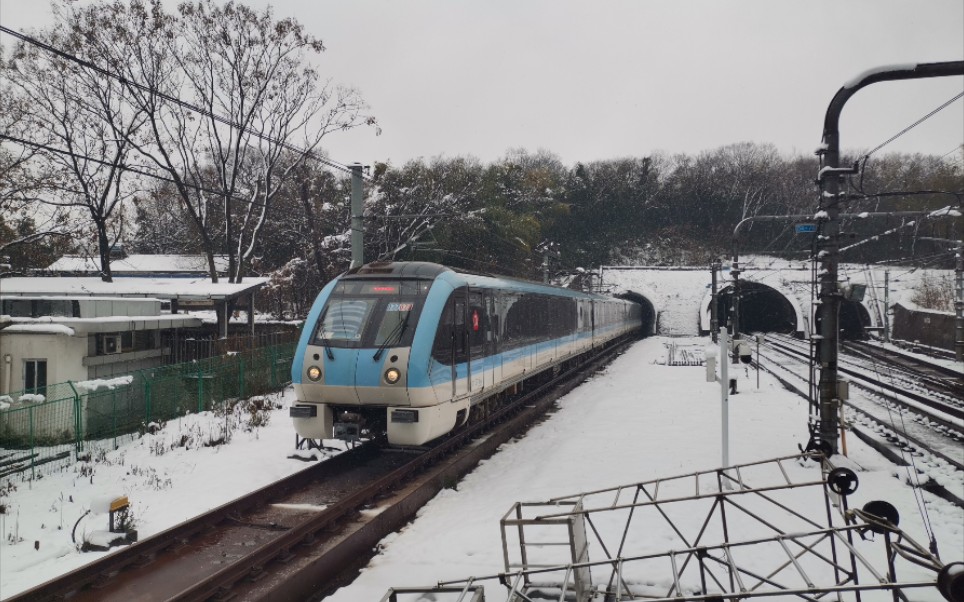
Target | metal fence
(64,419)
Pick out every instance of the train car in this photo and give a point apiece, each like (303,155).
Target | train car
(411,347)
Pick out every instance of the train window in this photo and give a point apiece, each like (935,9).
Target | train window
(477,324)
(344,319)
(370,313)
(396,323)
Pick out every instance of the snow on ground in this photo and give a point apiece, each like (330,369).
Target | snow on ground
(635,421)
(169,476)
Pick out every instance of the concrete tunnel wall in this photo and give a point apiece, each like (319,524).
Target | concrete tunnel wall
(796,322)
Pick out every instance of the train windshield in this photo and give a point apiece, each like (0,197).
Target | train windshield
(372,313)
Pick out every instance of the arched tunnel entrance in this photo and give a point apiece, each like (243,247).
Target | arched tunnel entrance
(853,319)
(762,309)
(648,316)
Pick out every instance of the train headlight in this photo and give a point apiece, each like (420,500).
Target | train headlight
(392,375)
(314,373)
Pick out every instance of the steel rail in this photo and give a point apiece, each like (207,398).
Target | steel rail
(931,403)
(515,416)
(940,376)
(931,485)
(865,437)
(144,550)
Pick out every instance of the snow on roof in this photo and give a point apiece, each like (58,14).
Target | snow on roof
(39,329)
(187,289)
(77,297)
(103,323)
(141,264)
(85,386)
(860,77)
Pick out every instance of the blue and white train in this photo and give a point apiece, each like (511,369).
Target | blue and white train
(412,347)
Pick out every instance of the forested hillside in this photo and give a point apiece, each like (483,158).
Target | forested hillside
(95,157)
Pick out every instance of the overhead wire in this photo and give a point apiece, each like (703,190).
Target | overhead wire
(915,124)
(219,193)
(866,157)
(173,99)
(910,465)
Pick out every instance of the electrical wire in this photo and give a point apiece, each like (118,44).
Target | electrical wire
(915,124)
(911,464)
(958,148)
(184,104)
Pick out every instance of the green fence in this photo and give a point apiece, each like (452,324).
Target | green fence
(37,430)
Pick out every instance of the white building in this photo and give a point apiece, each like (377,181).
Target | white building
(54,339)
(62,329)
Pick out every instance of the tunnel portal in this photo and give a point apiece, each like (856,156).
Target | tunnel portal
(762,309)
(854,318)
(648,314)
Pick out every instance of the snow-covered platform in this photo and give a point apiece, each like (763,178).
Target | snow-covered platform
(638,420)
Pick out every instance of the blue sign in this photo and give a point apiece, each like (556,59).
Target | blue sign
(806,228)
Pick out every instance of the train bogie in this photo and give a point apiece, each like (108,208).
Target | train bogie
(413,346)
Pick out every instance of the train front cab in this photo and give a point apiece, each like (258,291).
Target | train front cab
(354,353)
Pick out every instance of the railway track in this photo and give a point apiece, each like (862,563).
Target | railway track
(934,406)
(306,535)
(884,415)
(938,377)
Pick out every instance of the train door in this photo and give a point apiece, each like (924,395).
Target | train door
(475,330)
(592,323)
(451,348)
(491,360)
(460,385)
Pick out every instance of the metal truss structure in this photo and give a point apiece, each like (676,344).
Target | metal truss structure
(779,529)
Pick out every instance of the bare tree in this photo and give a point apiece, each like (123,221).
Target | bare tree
(27,235)
(85,127)
(259,108)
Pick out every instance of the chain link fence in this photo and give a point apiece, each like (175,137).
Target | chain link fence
(61,421)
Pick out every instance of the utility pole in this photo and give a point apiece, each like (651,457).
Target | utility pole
(357,218)
(714,302)
(724,397)
(886,306)
(959,302)
(735,319)
(828,236)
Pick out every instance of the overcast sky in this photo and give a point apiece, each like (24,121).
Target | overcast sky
(591,80)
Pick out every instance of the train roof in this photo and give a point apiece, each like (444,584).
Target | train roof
(424,269)
(400,269)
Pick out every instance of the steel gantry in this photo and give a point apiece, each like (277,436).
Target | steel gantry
(774,529)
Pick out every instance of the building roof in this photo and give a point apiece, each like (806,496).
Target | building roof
(168,289)
(70,326)
(133,265)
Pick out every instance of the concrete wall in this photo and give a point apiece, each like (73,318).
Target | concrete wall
(102,308)
(64,355)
